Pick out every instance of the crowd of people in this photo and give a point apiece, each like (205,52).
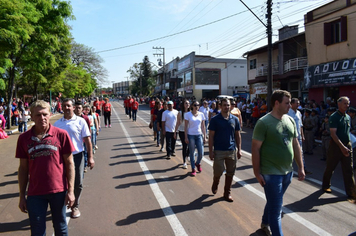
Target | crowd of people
(71,144)
(278,139)
(298,125)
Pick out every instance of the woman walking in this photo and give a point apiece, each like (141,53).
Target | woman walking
(195,135)
(107,112)
(180,127)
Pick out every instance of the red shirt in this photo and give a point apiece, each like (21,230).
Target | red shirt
(130,102)
(152,104)
(107,107)
(97,104)
(135,105)
(85,117)
(45,157)
(255,112)
(125,102)
(152,114)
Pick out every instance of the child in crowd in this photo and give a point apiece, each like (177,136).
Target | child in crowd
(3,134)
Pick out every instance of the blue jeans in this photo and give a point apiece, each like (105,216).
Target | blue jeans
(93,141)
(134,115)
(195,141)
(22,126)
(37,210)
(276,186)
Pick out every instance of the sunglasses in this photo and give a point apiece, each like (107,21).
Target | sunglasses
(196,105)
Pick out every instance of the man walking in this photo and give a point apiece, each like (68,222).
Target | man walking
(274,145)
(45,154)
(224,147)
(297,117)
(340,149)
(169,121)
(78,131)
(205,110)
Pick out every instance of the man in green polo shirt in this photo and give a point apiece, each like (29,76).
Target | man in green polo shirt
(340,149)
(274,146)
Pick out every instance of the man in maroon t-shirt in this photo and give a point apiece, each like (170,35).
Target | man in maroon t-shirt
(47,168)
(79,112)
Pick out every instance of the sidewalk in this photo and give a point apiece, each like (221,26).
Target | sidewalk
(14,129)
(12,220)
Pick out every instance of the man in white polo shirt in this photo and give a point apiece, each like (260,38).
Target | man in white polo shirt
(169,121)
(78,131)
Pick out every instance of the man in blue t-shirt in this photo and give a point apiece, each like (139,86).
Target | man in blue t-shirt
(224,147)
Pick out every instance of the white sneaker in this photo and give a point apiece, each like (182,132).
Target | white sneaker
(185,166)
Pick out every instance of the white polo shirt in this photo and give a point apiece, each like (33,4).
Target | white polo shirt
(77,129)
(170,117)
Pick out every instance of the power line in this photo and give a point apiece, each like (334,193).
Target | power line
(181,32)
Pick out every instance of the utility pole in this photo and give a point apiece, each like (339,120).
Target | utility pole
(161,52)
(270,70)
(269,36)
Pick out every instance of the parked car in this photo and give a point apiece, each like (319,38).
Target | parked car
(225,96)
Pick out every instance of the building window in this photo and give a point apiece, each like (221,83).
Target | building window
(188,78)
(335,31)
(207,76)
(253,64)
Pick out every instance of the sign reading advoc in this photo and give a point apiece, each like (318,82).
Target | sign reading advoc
(341,72)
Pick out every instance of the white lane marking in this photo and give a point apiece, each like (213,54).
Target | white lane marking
(290,213)
(286,210)
(178,143)
(177,227)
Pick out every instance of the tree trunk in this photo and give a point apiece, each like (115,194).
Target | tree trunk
(9,96)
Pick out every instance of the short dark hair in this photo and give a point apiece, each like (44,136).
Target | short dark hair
(294,100)
(278,95)
(77,103)
(224,100)
(68,100)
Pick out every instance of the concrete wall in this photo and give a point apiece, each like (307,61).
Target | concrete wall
(314,32)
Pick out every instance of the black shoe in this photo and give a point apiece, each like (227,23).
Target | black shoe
(173,154)
(168,157)
(327,190)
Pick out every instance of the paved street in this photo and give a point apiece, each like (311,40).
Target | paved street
(134,190)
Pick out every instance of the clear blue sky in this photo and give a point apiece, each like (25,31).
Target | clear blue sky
(109,24)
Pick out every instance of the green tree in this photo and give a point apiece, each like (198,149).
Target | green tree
(85,56)
(143,77)
(32,35)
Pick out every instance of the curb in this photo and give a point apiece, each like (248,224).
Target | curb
(28,126)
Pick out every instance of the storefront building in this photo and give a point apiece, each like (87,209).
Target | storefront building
(331,40)
(289,58)
(207,77)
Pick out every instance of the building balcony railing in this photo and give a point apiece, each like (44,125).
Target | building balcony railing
(263,70)
(295,64)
